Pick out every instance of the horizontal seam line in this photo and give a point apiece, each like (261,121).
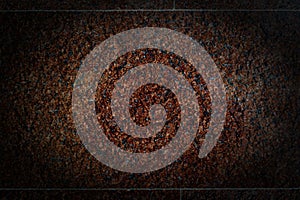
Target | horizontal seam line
(143,189)
(154,10)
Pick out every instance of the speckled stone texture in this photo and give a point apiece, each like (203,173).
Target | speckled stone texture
(257,55)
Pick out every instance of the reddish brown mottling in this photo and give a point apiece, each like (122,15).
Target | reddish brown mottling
(42,52)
